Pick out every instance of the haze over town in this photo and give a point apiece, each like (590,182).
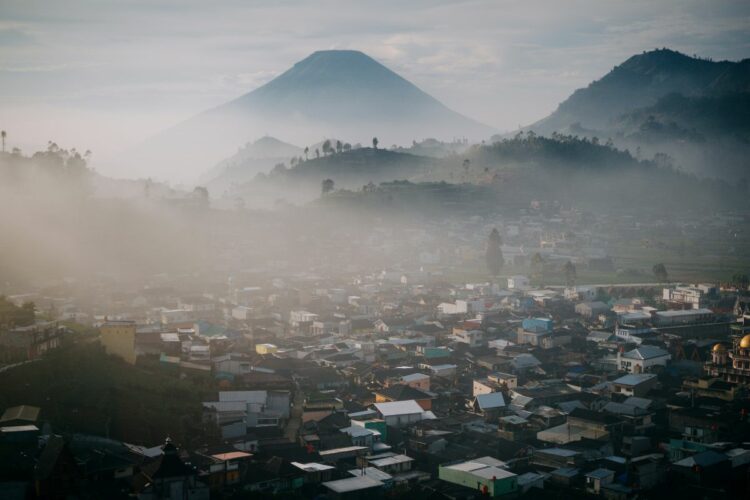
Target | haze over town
(346,250)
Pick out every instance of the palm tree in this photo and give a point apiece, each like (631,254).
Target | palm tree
(4,134)
(375,142)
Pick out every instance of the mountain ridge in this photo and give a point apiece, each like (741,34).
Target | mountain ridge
(329,93)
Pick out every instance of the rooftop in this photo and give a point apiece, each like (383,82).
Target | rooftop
(399,408)
(352,484)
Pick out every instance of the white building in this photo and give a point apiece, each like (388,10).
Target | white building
(643,359)
(693,296)
(402,413)
(519,283)
(447,308)
(473,338)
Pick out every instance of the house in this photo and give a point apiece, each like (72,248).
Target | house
(355,488)
(443,370)
(597,478)
(643,359)
(518,283)
(416,380)
(266,348)
(315,472)
(599,337)
(583,424)
(391,463)
(634,384)
(25,343)
(404,393)
(590,310)
(472,338)
(169,477)
(20,415)
(488,405)
(683,317)
(402,413)
(250,408)
(484,474)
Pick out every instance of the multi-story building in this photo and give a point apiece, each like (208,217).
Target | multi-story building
(731,365)
(118,339)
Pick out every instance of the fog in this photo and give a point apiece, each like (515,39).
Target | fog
(332,249)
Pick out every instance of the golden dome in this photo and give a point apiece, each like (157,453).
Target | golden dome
(745,342)
(719,347)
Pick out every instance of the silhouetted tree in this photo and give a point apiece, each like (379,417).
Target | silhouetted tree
(660,272)
(347,146)
(570,273)
(741,281)
(537,269)
(327,147)
(339,146)
(326,186)
(307,150)
(494,254)
(375,142)
(317,153)
(3,134)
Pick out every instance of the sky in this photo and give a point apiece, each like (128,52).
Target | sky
(106,74)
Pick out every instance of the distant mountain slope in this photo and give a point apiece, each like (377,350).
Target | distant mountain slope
(640,82)
(335,92)
(349,169)
(560,171)
(247,162)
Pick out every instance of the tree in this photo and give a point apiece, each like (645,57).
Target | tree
(307,150)
(326,186)
(327,147)
(347,146)
(339,146)
(494,255)
(317,153)
(660,272)
(537,269)
(570,274)
(4,134)
(740,281)
(375,142)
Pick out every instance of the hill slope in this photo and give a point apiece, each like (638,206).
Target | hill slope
(247,162)
(336,92)
(640,82)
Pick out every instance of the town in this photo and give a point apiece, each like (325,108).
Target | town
(388,384)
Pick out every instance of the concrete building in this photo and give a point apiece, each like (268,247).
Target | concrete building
(118,339)
(642,359)
(484,474)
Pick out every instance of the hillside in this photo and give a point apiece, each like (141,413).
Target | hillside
(339,93)
(564,170)
(348,170)
(250,160)
(640,82)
